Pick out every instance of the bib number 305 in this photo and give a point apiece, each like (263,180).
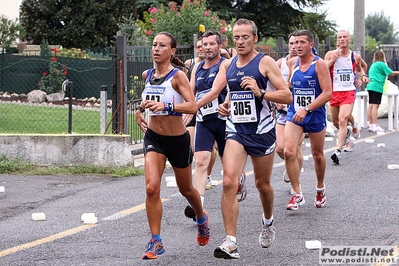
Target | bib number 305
(243,108)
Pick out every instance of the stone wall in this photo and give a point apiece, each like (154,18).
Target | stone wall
(68,149)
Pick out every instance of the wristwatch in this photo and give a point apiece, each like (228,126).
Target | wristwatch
(262,94)
(308,110)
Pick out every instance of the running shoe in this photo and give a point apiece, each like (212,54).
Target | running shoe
(189,212)
(228,250)
(154,248)
(349,130)
(295,201)
(348,134)
(203,234)
(377,128)
(286,177)
(208,183)
(336,156)
(349,144)
(267,235)
(320,199)
(372,127)
(355,131)
(242,188)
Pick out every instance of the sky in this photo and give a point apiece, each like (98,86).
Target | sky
(342,12)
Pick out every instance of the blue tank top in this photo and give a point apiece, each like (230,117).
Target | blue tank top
(163,92)
(306,89)
(249,114)
(203,81)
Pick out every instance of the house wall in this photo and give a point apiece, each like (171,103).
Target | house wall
(10,8)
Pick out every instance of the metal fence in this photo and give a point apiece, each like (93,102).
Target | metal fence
(44,113)
(121,74)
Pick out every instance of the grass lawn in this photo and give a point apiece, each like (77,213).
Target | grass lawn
(34,119)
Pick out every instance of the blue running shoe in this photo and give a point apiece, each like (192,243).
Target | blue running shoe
(154,248)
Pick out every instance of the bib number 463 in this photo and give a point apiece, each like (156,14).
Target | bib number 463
(303,101)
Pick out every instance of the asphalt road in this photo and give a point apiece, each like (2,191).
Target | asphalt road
(361,210)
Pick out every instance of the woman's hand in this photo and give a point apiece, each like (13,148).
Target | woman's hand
(154,106)
(141,122)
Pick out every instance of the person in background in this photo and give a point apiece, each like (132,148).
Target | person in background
(311,90)
(281,109)
(378,73)
(224,51)
(350,141)
(395,66)
(344,64)
(167,95)
(210,127)
(250,130)
(189,119)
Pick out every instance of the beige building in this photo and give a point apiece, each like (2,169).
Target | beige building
(10,8)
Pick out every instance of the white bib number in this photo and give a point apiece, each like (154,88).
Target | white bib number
(155,93)
(243,108)
(345,77)
(211,107)
(303,97)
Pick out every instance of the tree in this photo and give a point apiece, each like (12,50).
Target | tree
(92,23)
(9,31)
(371,44)
(318,23)
(79,24)
(183,20)
(131,28)
(381,28)
(274,18)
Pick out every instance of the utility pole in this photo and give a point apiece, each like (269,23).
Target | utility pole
(359,33)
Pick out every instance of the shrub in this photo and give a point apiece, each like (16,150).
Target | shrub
(183,21)
(52,79)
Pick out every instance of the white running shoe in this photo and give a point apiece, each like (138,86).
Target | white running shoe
(377,128)
(296,200)
(286,177)
(348,130)
(320,199)
(349,144)
(267,235)
(228,250)
(208,183)
(336,156)
(355,131)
